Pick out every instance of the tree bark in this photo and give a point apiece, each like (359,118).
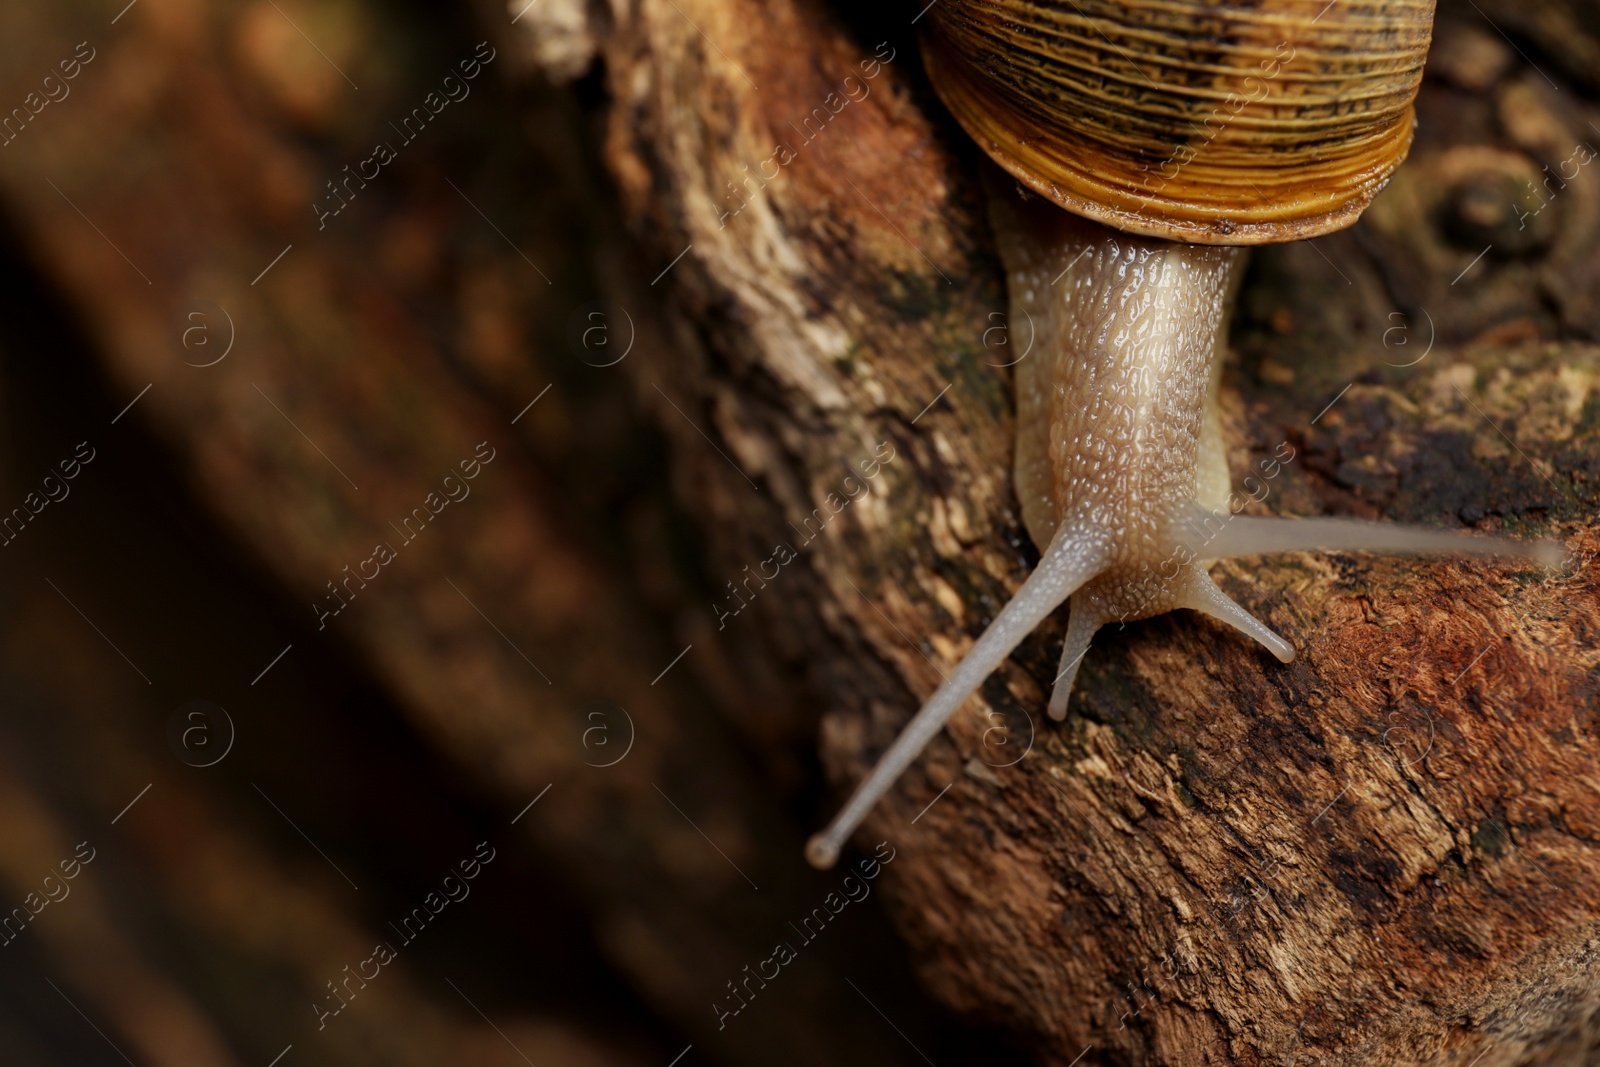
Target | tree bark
(1379,854)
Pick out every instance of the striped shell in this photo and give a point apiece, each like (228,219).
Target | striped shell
(1212,123)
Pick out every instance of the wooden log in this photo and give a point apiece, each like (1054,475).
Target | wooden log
(1379,854)
(1382,853)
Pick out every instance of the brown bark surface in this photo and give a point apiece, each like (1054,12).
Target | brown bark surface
(1382,853)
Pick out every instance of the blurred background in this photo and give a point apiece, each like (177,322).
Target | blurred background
(272,767)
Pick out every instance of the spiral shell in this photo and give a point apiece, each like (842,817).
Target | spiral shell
(1211,123)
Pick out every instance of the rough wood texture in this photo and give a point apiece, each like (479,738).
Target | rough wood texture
(1382,853)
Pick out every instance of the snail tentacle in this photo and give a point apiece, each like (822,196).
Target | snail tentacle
(1076,554)
(1200,593)
(1082,623)
(1251,536)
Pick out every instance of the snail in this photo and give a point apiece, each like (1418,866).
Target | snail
(1146,145)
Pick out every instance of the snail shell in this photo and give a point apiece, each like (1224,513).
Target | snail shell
(1211,123)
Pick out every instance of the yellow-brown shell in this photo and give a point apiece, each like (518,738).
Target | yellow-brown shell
(1212,123)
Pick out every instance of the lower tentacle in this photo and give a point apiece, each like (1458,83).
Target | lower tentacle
(1201,593)
(1075,555)
(1081,627)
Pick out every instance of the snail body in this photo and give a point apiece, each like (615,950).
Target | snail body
(1117,428)
(1120,468)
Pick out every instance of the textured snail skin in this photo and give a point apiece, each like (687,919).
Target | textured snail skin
(1120,467)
